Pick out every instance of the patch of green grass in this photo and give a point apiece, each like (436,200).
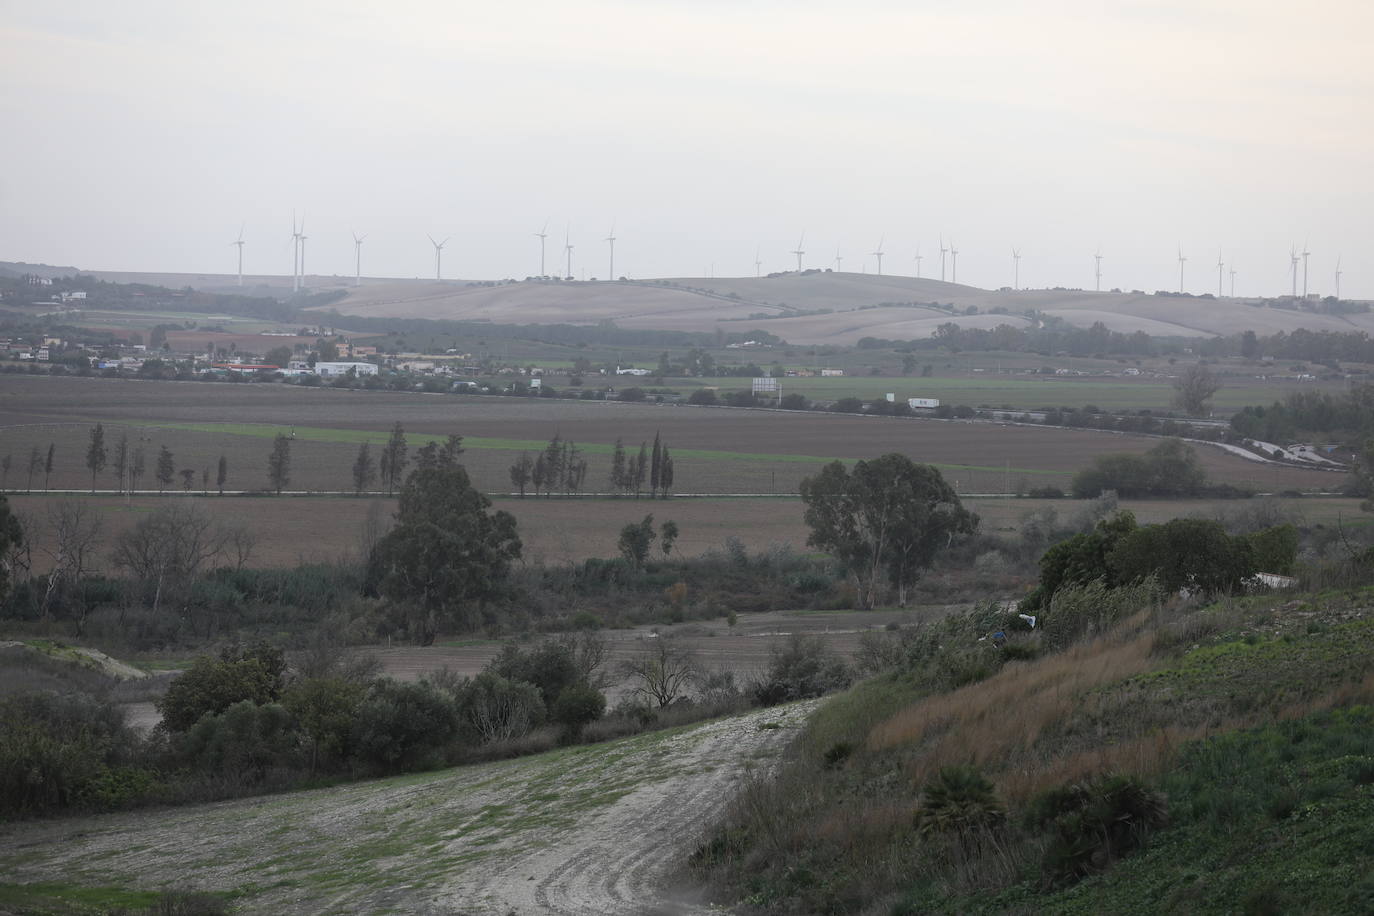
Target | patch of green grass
(43,899)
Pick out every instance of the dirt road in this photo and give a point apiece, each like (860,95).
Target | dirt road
(582,831)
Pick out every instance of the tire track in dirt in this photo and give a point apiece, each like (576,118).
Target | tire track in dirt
(621,860)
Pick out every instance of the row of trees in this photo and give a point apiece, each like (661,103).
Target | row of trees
(130,464)
(561,468)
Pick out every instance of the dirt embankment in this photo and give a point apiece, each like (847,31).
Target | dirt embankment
(586,830)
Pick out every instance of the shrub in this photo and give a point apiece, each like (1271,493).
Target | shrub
(959,800)
(212,685)
(55,751)
(577,706)
(499,709)
(244,741)
(1094,823)
(403,726)
(803,667)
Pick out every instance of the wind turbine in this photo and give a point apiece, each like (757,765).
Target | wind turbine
(879,254)
(296,252)
(953,262)
(1181,260)
(839,261)
(541,235)
(239,243)
(1016,269)
(438,252)
(943,249)
(1305,255)
(1338,277)
(1098,258)
(358,259)
(1220,265)
(568,250)
(610,238)
(303,237)
(1233,283)
(758,262)
(798,252)
(1293,268)
(918,262)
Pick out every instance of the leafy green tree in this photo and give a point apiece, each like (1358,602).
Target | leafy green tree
(278,356)
(211,685)
(1194,387)
(1192,553)
(400,726)
(96,453)
(889,515)
(1275,549)
(11,538)
(1171,468)
(222,474)
(618,467)
(576,707)
(394,460)
(635,540)
(120,462)
(668,534)
(552,666)
(446,555)
(324,709)
(665,478)
(364,470)
(166,468)
(521,471)
(279,463)
(1079,560)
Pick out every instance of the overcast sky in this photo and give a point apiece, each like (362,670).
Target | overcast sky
(140,134)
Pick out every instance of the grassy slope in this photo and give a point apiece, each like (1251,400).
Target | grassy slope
(1274,815)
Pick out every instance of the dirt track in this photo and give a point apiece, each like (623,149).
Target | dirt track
(588,830)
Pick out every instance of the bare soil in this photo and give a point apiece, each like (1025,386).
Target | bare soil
(586,831)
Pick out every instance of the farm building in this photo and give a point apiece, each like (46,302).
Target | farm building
(334,370)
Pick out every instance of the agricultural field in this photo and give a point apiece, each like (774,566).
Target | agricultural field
(715,450)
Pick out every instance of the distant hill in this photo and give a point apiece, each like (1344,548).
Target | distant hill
(825,307)
(47,271)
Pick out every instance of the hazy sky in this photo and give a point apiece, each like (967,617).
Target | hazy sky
(140,134)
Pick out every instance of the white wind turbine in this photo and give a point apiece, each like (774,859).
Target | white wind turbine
(296,252)
(1293,268)
(1220,266)
(878,253)
(239,242)
(1305,255)
(1098,273)
(438,252)
(1338,276)
(953,262)
(610,239)
(541,235)
(918,262)
(798,251)
(568,250)
(943,249)
(1016,269)
(839,261)
(758,262)
(1181,261)
(303,237)
(358,259)
(1233,282)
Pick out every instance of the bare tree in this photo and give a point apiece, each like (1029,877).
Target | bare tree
(169,548)
(75,529)
(664,672)
(240,542)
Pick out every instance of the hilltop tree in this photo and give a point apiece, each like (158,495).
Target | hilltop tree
(96,453)
(364,470)
(665,474)
(889,515)
(447,555)
(48,464)
(1194,387)
(188,477)
(166,467)
(521,471)
(635,540)
(279,463)
(222,474)
(618,467)
(121,460)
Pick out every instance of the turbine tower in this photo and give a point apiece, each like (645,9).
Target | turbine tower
(568,250)
(303,237)
(1305,255)
(1016,269)
(799,252)
(918,262)
(1233,283)
(239,243)
(358,259)
(296,253)
(1220,265)
(610,239)
(1098,258)
(879,254)
(1293,268)
(438,252)
(943,249)
(953,262)
(541,235)
(839,261)
(758,262)
(1338,277)
(1181,261)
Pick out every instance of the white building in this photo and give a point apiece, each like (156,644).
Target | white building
(334,370)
